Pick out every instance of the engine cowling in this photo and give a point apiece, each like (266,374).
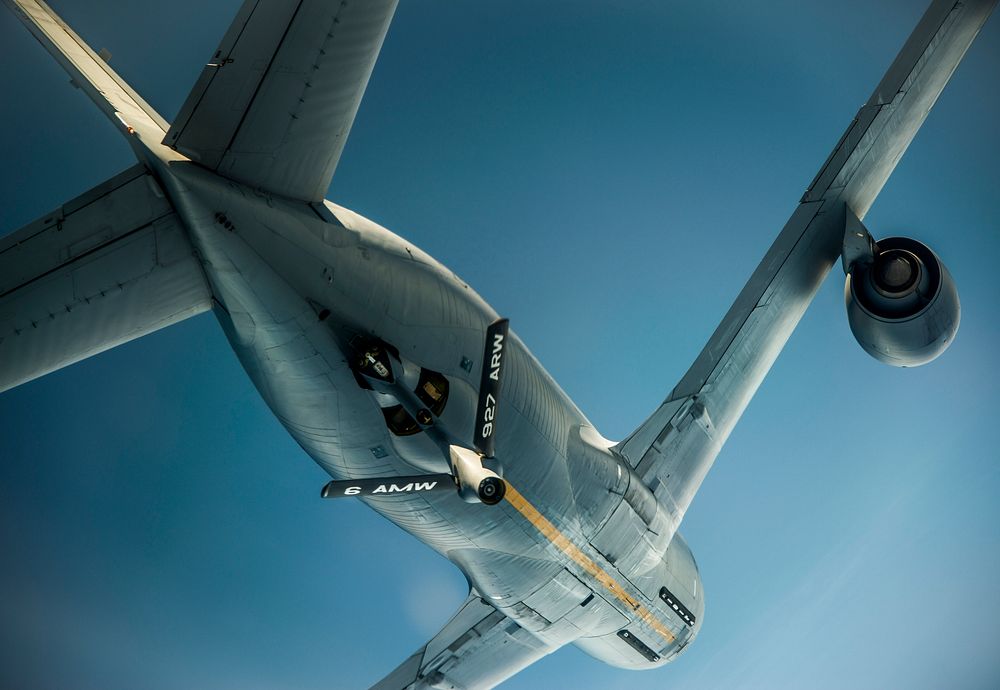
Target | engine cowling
(902,303)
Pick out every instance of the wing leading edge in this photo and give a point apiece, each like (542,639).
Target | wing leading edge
(676,446)
(273,107)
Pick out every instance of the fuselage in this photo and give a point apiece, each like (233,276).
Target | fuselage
(574,553)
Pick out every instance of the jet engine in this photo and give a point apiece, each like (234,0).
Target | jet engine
(902,303)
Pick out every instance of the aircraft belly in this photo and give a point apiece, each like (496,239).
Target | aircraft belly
(294,287)
(291,289)
(276,267)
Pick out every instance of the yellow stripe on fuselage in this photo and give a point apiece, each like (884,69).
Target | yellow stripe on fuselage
(562,542)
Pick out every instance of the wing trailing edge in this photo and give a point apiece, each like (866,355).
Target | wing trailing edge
(675,447)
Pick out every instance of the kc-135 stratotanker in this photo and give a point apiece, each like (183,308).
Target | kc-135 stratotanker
(397,378)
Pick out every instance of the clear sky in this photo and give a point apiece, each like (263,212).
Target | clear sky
(607,175)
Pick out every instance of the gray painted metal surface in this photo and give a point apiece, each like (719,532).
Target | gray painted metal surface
(105,268)
(274,105)
(584,548)
(673,450)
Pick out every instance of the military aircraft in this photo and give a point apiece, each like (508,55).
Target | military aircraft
(555,552)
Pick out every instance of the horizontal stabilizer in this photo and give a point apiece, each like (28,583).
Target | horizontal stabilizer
(90,72)
(105,268)
(274,105)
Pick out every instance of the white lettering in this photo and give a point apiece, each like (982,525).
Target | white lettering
(495,359)
(487,429)
(380,490)
(404,488)
(352,491)
(424,486)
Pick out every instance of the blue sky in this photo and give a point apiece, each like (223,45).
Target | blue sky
(607,175)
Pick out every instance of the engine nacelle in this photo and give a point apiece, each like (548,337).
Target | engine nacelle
(902,303)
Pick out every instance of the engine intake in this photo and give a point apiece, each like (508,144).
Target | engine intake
(902,303)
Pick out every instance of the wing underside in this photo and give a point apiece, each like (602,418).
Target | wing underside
(478,648)
(674,448)
(274,105)
(103,269)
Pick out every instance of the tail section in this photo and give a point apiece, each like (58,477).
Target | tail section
(142,125)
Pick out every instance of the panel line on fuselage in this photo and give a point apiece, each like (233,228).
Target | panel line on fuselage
(564,544)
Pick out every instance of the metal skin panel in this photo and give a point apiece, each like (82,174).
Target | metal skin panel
(95,218)
(229,80)
(476,631)
(293,282)
(129,113)
(559,596)
(477,638)
(674,449)
(275,103)
(270,271)
(105,268)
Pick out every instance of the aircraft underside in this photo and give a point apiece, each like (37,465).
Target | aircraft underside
(398,379)
(303,294)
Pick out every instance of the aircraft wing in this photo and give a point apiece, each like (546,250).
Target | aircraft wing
(478,648)
(105,268)
(674,448)
(275,103)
